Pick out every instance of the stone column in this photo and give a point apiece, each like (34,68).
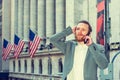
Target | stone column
(22,65)
(20,18)
(16,66)
(14,19)
(69,13)
(6,27)
(26,24)
(33,15)
(50,18)
(26,19)
(60,15)
(6,22)
(41,23)
(41,18)
(36,66)
(28,65)
(73,13)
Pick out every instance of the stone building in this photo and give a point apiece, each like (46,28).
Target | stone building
(45,18)
(0,33)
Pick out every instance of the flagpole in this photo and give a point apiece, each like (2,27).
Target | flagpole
(107,28)
(49,58)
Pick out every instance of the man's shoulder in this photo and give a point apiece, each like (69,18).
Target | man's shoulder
(99,46)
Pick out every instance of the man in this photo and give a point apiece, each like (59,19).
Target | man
(83,56)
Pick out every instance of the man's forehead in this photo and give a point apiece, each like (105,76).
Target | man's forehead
(82,24)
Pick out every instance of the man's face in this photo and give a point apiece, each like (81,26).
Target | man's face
(81,31)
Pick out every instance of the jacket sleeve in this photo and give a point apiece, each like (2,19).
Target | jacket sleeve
(98,53)
(57,39)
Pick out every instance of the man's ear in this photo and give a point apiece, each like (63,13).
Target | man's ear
(74,29)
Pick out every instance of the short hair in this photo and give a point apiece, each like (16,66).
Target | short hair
(89,26)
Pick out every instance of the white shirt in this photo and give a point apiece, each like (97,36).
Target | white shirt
(78,66)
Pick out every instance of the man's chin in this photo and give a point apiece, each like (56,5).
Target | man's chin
(80,40)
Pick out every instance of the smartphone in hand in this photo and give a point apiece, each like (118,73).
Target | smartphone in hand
(85,41)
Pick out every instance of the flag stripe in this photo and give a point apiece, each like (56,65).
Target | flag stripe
(34,43)
(18,46)
(100,21)
(6,49)
(101,6)
(34,49)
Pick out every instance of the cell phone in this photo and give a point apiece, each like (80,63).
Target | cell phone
(85,41)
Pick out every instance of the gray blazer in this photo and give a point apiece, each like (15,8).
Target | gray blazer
(95,55)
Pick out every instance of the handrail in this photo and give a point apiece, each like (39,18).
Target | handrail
(115,57)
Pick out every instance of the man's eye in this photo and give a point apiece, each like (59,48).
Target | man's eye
(77,29)
(83,29)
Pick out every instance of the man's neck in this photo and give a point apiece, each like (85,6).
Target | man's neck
(81,43)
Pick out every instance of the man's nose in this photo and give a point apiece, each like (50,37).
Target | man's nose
(80,32)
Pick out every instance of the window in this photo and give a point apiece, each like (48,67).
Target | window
(19,65)
(49,66)
(25,65)
(13,66)
(32,66)
(60,65)
(40,66)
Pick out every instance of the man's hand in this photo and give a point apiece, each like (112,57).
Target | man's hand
(89,40)
(74,29)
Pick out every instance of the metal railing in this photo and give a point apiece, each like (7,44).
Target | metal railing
(109,76)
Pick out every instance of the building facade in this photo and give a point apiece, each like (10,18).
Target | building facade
(45,18)
(0,33)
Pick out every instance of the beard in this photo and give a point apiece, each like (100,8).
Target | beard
(80,38)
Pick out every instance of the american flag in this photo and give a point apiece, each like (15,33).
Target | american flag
(18,46)
(34,43)
(7,47)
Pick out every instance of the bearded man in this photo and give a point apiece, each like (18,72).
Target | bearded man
(82,56)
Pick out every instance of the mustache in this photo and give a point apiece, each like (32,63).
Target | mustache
(82,38)
(79,34)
